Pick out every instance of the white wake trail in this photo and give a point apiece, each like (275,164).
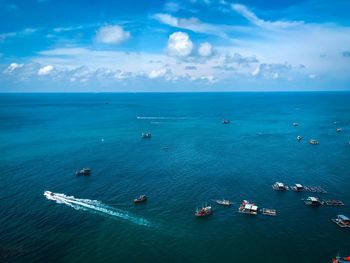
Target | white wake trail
(96,206)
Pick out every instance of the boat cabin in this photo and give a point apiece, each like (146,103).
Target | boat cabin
(298,187)
(313,201)
(279,186)
(248,208)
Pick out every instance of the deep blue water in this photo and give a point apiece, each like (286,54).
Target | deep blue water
(44,138)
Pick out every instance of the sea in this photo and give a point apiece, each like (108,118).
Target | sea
(191,160)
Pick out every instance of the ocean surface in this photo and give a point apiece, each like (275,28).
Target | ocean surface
(45,138)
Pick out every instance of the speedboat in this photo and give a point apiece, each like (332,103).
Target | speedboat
(204,211)
(84,171)
(226,121)
(341,259)
(48,193)
(295,124)
(140,199)
(299,138)
(339,129)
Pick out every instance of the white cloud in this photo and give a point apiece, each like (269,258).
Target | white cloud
(254,19)
(194,24)
(46,70)
(205,49)
(112,35)
(158,73)
(12,67)
(179,44)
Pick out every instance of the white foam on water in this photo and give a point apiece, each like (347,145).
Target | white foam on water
(163,118)
(96,206)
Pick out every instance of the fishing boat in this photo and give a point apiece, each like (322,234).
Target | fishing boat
(204,211)
(342,221)
(341,259)
(84,171)
(146,135)
(140,199)
(313,201)
(314,142)
(299,138)
(223,202)
(269,212)
(295,124)
(339,129)
(279,186)
(298,187)
(226,121)
(248,208)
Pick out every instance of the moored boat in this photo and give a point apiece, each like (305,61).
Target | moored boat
(295,124)
(299,138)
(223,202)
(225,121)
(248,208)
(269,212)
(140,199)
(204,211)
(342,221)
(339,129)
(278,186)
(341,259)
(313,201)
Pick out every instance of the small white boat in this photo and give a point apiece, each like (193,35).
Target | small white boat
(223,202)
(314,142)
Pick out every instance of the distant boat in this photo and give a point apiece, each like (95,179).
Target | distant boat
(146,135)
(226,121)
(299,138)
(313,142)
(84,171)
(140,199)
(341,259)
(339,129)
(223,202)
(204,211)
(295,124)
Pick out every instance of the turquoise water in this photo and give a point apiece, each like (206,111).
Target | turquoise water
(44,138)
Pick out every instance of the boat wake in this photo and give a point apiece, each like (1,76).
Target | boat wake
(95,206)
(163,118)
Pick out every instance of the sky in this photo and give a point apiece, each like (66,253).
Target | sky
(174,45)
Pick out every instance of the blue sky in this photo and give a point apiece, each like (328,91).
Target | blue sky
(188,45)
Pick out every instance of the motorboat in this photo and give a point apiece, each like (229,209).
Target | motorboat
(140,199)
(146,135)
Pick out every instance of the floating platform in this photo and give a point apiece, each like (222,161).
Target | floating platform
(333,202)
(311,189)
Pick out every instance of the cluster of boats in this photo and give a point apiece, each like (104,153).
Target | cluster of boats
(313,141)
(341,220)
(246,207)
(278,186)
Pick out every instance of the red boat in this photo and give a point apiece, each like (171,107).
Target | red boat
(204,211)
(341,259)
(140,199)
